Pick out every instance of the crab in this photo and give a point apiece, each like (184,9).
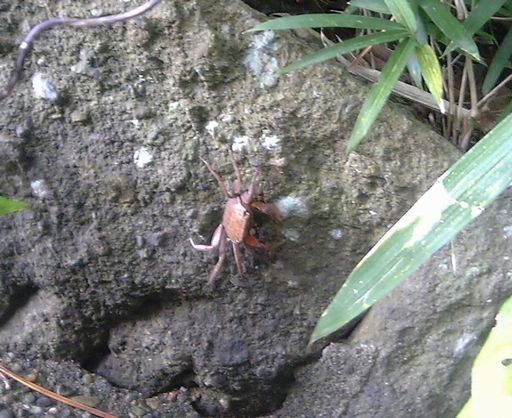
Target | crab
(237,220)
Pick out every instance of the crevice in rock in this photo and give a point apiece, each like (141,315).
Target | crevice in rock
(19,298)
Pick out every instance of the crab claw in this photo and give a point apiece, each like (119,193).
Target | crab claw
(269,209)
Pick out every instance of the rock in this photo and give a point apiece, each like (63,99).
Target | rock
(85,275)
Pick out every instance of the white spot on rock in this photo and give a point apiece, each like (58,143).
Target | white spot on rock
(142,157)
(40,189)
(291,234)
(240,143)
(260,60)
(43,88)
(291,205)
(507,231)
(336,233)
(270,142)
(211,127)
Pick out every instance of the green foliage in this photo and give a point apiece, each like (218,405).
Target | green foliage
(491,387)
(498,63)
(408,31)
(416,29)
(381,91)
(454,200)
(9,206)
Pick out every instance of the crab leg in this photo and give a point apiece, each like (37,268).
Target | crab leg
(222,256)
(237,186)
(217,177)
(238,259)
(214,243)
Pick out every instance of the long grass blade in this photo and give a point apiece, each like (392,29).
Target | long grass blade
(498,63)
(431,70)
(380,92)
(403,13)
(345,47)
(450,26)
(327,20)
(377,6)
(456,198)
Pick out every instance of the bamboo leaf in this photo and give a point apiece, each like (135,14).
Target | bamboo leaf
(431,71)
(498,63)
(403,13)
(380,92)
(450,26)
(481,14)
(327,20)
(455,199)
(9,206)
(377,6)
(344,47)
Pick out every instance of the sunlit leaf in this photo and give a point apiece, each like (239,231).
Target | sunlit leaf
(327,20)
(431,70)
(9,206)
(381,91)
(499,62)
(456,198)
(403,13)
(344,47)
(450,26)
(491,376)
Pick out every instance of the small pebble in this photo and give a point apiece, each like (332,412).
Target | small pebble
(153,403)
(87,379)
(29,398)
(44,402)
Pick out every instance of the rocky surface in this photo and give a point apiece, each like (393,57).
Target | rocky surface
(99,274)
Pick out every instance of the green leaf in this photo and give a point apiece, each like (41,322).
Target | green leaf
(431,70)
(380,91)
(9,206)
(413,66)
(455,199)
(491,375)
(481,14)
(450,26)
(403,13)
(377,6)
(344,47)
(327,20)
(498,63)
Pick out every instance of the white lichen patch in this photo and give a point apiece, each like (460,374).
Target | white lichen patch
(507,231)
(39,188)
(43,88)
(211,127)
(260,60)
(291,205)
(240,143)
(142,157)
(270,142)
(291,234)
(336,233)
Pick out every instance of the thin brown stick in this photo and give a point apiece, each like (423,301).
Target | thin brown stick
(28,41)
(494,91)
(52,395)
